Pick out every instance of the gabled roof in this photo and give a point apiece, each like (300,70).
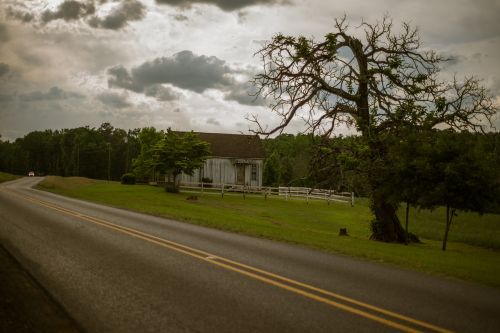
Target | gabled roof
(234,145)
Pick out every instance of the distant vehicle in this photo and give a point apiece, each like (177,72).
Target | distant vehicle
(31,174)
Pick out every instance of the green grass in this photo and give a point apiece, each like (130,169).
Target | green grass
(5,177)
(469,228)
(315,224)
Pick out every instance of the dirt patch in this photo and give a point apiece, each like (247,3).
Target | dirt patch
(25,306)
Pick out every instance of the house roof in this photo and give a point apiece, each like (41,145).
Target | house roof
(234,145)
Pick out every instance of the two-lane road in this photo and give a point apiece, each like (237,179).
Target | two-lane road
(119,271)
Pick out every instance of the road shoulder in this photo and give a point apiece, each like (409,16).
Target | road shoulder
(24,304)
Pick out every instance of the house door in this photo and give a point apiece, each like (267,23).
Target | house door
(240,174)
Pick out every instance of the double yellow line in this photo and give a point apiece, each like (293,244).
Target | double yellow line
(368,311)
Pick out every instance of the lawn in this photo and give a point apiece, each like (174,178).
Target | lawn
(5,177)
(473,251)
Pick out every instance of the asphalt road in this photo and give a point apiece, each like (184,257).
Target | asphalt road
(119,271)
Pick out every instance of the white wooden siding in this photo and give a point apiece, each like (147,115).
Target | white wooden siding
(223,170)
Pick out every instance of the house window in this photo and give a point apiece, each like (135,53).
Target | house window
(254,171)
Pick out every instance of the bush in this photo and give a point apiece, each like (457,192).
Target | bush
(206,180)
(128,179)
(171,188)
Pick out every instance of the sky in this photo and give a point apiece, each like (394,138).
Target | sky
(186,64)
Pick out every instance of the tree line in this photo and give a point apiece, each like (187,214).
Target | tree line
(341,163)
(100,153)
(105,152)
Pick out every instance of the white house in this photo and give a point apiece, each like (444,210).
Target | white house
(236,159)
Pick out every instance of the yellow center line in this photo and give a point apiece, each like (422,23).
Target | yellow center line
(253,272)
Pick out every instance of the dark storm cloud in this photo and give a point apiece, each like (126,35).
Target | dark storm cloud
(114,100)
(4,69)
(5,98)
(161,93)
(213,121)
(495,87)
(128,10)
(54,93)
(481,23)
(69,10)
(245,93)
(4,34)
(184,70)
(122,79)
(19,15)
(227,5)
(180,17)
(451,60)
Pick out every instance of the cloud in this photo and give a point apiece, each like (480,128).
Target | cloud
(161,93)
(69,10)
(495,87)
(4,34)
(114,100)
(245,93)
(4,69)
(184,70)
(19,15)
(5,98)
(480,22)
(54,93)
(128,10)
(180,17)
(122,79)
(226,5)
(213,121)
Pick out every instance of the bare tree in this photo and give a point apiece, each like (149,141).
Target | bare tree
(376,82)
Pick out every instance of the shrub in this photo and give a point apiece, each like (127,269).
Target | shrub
(171,188)
(128,179)
(207,181)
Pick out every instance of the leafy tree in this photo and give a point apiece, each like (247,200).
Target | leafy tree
(462,177)
(289,156)
(271,170)
(178,153)
(143,165)
(338,163)
(376,84)
(407,168)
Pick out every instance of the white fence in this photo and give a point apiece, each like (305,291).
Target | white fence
(282,191)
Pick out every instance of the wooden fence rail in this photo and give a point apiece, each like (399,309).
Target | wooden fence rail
(282,191)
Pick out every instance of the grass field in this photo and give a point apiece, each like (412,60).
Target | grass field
(473,251)
(5,177)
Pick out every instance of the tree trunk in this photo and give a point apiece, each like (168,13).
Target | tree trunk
(386,226)
(449,217)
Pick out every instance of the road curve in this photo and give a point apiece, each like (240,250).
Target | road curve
(119,271)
